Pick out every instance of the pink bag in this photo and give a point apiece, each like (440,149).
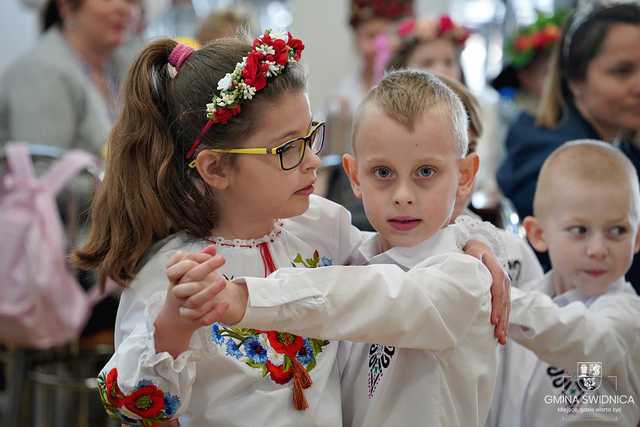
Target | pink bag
(41,302)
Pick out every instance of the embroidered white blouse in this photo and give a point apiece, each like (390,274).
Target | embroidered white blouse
(544,389)
(436,361)
(229,376)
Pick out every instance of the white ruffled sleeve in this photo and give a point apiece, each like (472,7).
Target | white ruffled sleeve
(468,228)
(139,386)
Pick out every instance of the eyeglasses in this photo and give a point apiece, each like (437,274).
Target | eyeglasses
(291,152)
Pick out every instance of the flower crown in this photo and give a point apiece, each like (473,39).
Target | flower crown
(269,56)
(528,41)
(426,29)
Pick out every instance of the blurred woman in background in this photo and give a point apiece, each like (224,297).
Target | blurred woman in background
(64,91)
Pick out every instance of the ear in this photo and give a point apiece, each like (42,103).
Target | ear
(350,167)
(467,170)
(535,233)
(576,89)
(213,169)
(636,246)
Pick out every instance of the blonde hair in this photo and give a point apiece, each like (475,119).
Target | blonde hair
(405,95)
(469,102)
(148,191)
(588,161)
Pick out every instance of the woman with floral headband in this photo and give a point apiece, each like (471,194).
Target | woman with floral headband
(527,54)
(228,178)
(592,92)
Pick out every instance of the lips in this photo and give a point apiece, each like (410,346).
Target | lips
(595,273)
(306,191)
(404,223)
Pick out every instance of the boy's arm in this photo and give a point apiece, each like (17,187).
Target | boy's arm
(430,307)
(608,331)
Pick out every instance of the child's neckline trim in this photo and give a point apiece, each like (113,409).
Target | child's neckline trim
(248,243)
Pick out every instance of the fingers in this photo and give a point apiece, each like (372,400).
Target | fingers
(206,294)
(209,250)
(188,270)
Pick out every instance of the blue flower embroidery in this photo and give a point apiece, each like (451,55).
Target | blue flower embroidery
(171,404)
(233,349)
(325,261)
(216,334)
(255,351)
(305,355)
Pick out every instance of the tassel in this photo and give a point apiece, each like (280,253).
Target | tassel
(301,380)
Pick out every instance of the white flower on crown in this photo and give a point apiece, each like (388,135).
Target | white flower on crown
(266,49)
(274,68)
(228,98)
(247,91)
(211,109)
(226,82)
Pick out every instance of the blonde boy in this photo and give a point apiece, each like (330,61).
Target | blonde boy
(586,215)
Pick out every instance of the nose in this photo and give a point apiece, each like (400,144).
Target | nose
(403,195)
(597,247)
(635,88)
(311,161)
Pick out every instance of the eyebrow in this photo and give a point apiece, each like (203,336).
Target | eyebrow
(291,134)
(385,160)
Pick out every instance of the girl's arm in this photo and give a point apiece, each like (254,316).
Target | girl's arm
(149,378)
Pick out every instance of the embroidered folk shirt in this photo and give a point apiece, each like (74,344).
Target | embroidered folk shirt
(229,376)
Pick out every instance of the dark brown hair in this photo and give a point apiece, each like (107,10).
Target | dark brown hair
(571,58)
(149,192)
(51,13)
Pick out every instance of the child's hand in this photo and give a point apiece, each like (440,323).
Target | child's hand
(225,304)
(500,288)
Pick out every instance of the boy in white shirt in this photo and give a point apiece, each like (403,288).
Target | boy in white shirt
(587,212)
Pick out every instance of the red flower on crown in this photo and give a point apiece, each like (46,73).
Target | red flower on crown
(445,24)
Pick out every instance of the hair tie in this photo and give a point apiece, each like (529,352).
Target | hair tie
(179,54)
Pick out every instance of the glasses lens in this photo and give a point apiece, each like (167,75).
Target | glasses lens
(292,153)
(317,139)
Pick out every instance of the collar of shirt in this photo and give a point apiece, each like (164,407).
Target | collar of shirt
(546,287)
(408,257)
